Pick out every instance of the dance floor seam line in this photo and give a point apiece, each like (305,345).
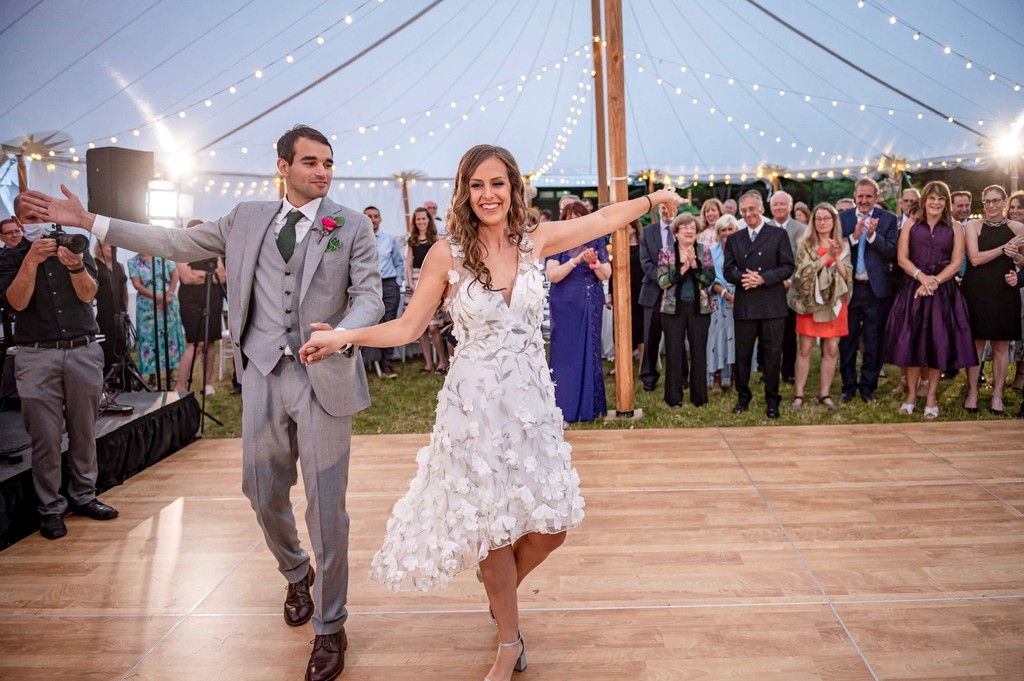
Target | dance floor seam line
(469,611)
(667,490)
(952,465)
(803,560)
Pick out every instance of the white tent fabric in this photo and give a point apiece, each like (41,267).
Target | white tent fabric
(510,73)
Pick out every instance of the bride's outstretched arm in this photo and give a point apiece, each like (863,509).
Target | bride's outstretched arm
(556,237)
(407,328)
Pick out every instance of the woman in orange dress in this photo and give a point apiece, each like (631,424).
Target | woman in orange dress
(819,295)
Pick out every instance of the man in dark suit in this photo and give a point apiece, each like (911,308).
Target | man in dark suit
(872,234)
(656,236)
(758,260)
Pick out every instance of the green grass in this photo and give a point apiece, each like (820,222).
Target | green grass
(406,405)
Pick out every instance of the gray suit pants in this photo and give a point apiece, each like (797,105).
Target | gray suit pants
(61,388)
(282,423)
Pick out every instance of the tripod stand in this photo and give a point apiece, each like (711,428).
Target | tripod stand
(123,374)
(203,322)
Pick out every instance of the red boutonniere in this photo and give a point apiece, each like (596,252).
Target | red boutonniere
(329,224)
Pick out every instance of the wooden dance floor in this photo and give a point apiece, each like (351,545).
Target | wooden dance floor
(779,553)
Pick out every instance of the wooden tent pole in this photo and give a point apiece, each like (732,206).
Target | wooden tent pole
(619,192)
(599,98)
(22,175)
(405,200)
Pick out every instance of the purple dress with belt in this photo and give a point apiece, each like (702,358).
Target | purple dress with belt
(931,331)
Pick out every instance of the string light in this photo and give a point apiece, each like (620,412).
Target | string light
(917,35)
(257,74)
(807,97)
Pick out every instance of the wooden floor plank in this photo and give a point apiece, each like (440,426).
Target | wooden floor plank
(950,641)
(700,557)
(908,542)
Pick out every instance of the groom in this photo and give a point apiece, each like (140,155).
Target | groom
(291,265)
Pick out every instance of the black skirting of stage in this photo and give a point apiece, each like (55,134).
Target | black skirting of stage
(162,423)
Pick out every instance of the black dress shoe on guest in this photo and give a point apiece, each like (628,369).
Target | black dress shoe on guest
(328,658)
(52,526)
(867,396)
(96,510)
(650,387)
(739,408)
(846,397)
(772,412)
(298,604)
(789,379)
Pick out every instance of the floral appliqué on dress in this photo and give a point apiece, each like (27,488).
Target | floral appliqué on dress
(497,466)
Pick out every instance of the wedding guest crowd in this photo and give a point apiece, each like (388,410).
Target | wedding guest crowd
(925,291)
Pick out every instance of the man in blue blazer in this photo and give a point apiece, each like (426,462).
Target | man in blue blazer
(872,234)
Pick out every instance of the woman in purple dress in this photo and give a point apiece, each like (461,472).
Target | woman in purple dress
(577,299)
(929,325)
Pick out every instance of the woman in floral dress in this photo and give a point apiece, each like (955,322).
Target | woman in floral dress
(495,487)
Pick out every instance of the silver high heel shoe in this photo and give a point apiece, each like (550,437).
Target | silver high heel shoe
(521,662)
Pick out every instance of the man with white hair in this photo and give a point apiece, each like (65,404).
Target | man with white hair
(845,203)
(908,200)
(565,200)
(781,206)
(730,207)
(431,207)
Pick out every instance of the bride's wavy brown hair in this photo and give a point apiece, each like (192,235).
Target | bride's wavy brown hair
(464,225)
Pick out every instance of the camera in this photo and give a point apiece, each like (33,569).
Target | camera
(208,265)
(76,243)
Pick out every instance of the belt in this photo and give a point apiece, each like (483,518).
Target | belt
(62,344)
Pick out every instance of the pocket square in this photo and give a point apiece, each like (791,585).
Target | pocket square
(333,245)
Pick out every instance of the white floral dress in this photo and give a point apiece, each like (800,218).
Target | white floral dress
(497,466)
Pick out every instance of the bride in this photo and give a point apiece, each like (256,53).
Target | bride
(495,486)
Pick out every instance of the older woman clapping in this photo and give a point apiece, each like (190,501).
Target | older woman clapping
(685,273)
(819,295)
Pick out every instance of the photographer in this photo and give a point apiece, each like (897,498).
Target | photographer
(59,371)
(192,299)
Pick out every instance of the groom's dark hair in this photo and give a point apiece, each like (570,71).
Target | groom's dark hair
(286,145)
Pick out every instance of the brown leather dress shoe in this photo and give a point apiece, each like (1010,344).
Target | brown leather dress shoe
(298,604)
(328,658)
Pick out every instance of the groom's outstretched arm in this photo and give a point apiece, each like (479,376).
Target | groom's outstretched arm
(180,245)
(365,304)
(204,241)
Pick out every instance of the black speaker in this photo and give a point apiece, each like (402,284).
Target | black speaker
(118,181)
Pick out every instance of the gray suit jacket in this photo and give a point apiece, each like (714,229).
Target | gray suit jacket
(341,288)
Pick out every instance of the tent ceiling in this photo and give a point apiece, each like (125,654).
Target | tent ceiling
(106,68)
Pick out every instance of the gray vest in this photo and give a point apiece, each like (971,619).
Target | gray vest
(274,319)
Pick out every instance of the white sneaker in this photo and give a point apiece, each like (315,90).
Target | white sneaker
(210,390)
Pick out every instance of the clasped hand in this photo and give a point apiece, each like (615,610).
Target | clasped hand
(323,342)
(751,279)
(928,287)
